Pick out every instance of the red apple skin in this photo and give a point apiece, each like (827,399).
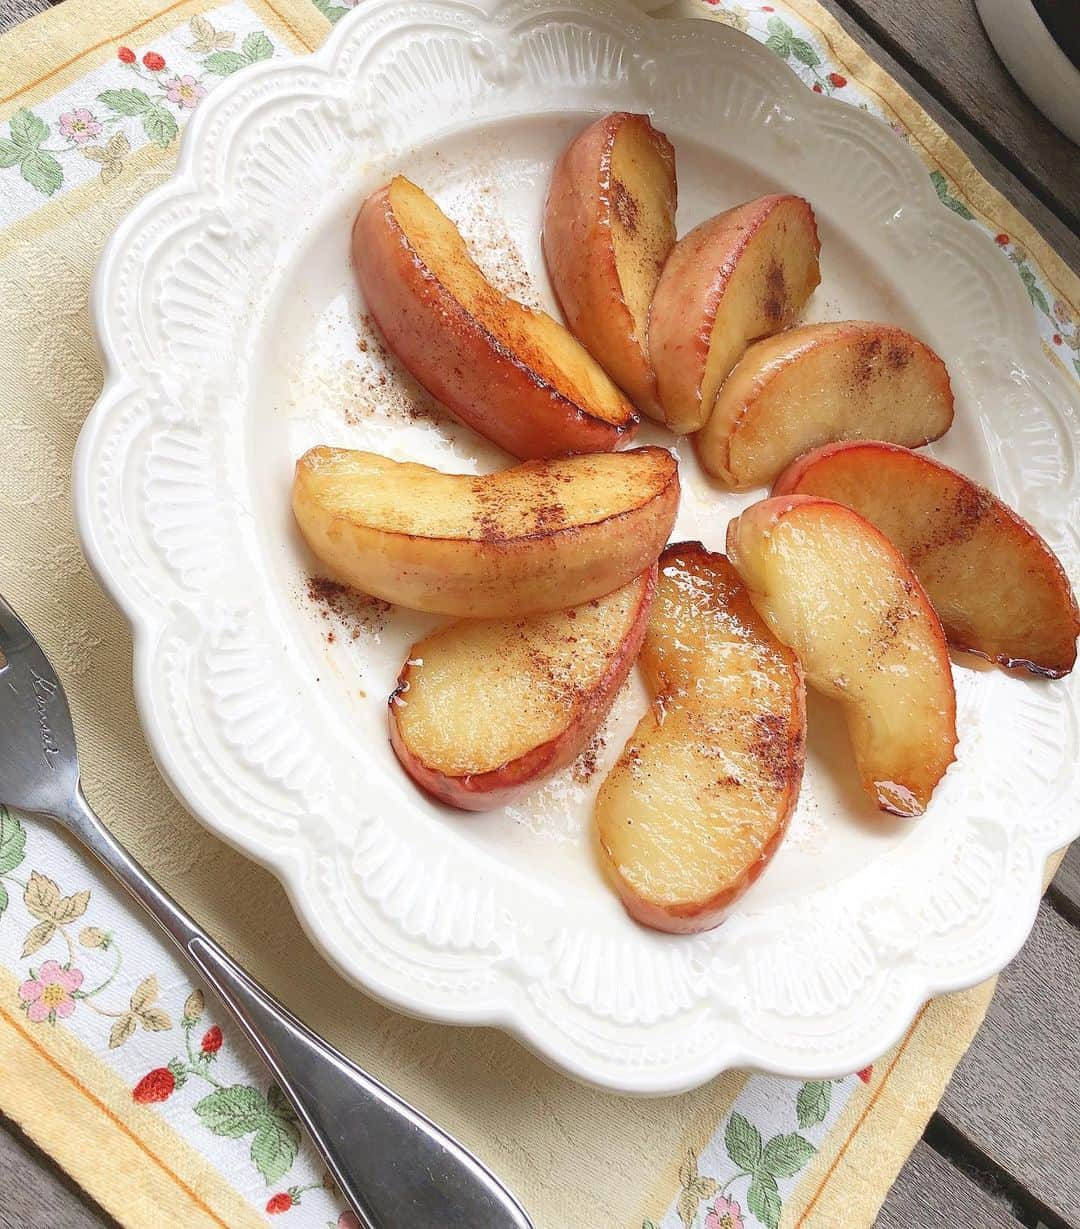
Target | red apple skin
(480,381)
(580,256)
(513,780)
(909,798)
(860,370)
(691,291)
(697,916)
(672,704)
(1041,562)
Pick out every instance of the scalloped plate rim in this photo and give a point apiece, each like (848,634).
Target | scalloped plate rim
(507,1013)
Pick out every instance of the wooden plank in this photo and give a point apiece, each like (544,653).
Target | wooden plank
(14,11)
(1065,239)
(943,44)
(36,1193)
(932,1193)
(1065,890)
(1015,1097)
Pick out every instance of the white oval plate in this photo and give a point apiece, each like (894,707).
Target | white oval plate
(227,312)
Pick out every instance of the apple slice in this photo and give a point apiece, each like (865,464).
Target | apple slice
(997,587)
(486,708)
(823,382)
(699,799)
(511,373)
(741,275)
(839,593)
(540,536)
(609,225)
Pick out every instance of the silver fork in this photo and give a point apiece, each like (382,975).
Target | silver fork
(392,1164)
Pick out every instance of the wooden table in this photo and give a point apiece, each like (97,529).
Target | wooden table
(1003,1150)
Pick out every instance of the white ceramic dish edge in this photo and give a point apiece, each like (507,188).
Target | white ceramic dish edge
(132,392)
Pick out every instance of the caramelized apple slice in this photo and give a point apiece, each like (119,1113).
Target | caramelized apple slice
(699,799)
(511,373)
(997,587)
(839,593)
(609,225)
(823,382)
(741,275)
(541,536)
(486,708)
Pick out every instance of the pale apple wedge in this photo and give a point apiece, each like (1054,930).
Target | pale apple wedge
(700,798)
(839,593)
(485,709)
(847,380)
(997,587)
(609,225)
(511,373)
(540,536)
(740,276)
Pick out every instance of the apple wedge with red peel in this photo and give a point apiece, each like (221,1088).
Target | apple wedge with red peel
(997,587)
(485,709)
(609,224)
(740,276)
(541,536)
(808,386)
(699,800)
(840,594)
(511,373)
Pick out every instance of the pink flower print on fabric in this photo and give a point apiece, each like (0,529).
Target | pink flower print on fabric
(724,1214)
(185,91)
(50,993)
(79,126)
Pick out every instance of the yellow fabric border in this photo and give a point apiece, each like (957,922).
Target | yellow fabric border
(938,149)
(302,31)
(848,1181)
(52,38)
(78,1110)
(700,1130)
(906,1087)
(76,1107)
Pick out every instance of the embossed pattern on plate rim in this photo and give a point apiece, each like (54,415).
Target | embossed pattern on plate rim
(692,1044)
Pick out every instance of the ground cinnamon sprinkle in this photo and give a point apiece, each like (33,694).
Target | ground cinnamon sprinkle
(378,382)
(625,206)
(374,382)
(353,612)
(584,766)
(492,246)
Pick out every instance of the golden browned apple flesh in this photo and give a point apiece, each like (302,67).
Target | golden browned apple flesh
(540,536)
(700,798)
(485,709)
(997,587)
(740,276)
(849,380)
(512,373)
(840,594)
(609,225)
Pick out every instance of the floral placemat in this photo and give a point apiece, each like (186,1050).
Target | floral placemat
(107,1048)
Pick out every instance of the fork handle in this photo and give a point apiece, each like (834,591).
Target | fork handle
(392,1164)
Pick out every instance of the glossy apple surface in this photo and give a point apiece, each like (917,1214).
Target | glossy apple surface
(541,536)
(997,587)
(840,594)
(740,276)
(847,380)
(698,802)
(512,373)
(485,709)
(609,224)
